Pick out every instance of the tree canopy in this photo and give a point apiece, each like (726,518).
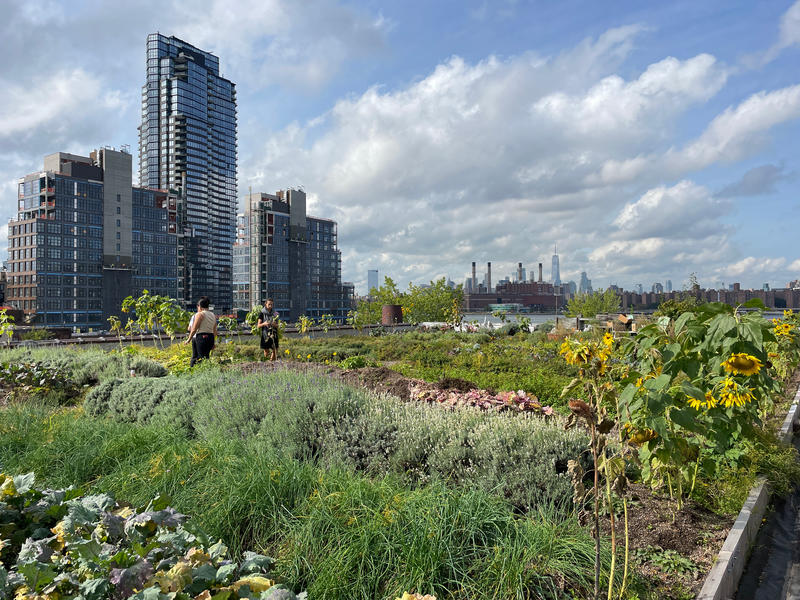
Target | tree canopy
(589,305)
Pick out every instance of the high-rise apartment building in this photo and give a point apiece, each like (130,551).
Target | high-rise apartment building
(295,258)
(241,263)
(187,141)
(84,239)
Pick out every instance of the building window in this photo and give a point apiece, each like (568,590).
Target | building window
(119,208)
(118,224)
(119,198)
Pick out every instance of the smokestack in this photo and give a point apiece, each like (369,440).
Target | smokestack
(519,272)
(540,272)
(489,277)
(474,284)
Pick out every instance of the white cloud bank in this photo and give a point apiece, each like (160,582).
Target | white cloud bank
(500,159)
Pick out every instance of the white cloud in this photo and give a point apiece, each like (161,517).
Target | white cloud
(790,27)
(736,133)
(751,264)
(683,211)
(627,108)
(788,36)
(490,161)
(280,42)
(26,108)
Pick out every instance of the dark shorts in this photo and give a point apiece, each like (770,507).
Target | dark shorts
(268,343)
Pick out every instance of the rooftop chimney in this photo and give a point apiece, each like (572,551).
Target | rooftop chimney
(489,278)
(519,272)
(540,272)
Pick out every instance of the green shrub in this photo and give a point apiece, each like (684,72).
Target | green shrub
(313,418)
(354,362)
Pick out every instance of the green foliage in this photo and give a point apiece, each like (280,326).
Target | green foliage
(104,550)
(36,334)
(701,384)
(668,561)
(674,307)
(6,325)
(436,302)
(155,313)
(324,526)
(314,419)
(589,305)
(355,362)
(38,379)
(62,374)
(522,361)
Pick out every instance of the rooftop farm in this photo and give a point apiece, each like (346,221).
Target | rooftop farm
(492,464)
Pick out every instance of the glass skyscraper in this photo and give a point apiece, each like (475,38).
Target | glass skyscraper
(187,141)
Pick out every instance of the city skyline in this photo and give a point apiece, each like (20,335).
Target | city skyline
(650,143)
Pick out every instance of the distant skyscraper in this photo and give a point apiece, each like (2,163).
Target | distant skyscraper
(187,140)
(585,286)
(555,273)
(372,280)
(657,288)
(639,288)
(669,285)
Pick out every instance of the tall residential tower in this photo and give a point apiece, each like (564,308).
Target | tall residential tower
(187,141)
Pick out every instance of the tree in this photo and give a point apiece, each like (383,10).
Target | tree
(436,302)
(674,307)
(154,313)
(589,305)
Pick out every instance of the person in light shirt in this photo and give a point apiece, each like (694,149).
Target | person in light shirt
(202,331)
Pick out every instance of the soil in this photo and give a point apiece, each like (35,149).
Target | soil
(654,522)
(381,380)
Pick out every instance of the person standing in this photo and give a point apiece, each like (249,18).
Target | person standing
(268,324)
(203,331)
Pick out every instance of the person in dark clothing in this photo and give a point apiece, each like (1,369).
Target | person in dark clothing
(203,331)
(268,324)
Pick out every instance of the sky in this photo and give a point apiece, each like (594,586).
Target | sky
(649,141)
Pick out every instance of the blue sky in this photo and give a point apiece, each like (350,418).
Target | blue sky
(650,141)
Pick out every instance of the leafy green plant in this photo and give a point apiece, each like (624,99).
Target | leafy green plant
(154,314)
(701,384)
(668,561)
(38,379)
(355,362)
(6,325)
(102,549)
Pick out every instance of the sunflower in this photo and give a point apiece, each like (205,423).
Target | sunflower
(787,313)
(742,364)
(733,394)
(694,402)
(608,339)
(709,402)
